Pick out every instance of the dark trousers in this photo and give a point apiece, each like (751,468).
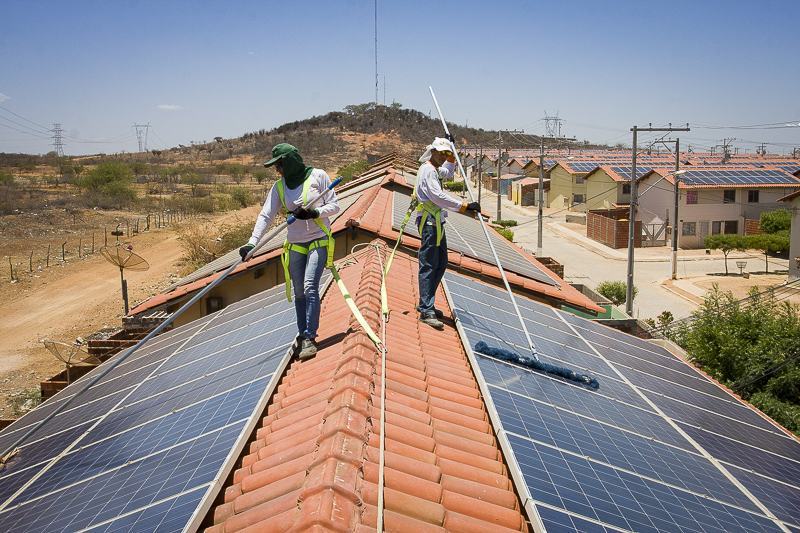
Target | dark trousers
(432,265)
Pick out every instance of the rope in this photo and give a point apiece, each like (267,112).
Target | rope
(382,448)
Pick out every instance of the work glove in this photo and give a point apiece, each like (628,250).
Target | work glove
(450,138)
(302,213)
(474,206)
(244,250)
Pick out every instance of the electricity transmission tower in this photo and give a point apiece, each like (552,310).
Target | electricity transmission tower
(58,139)
(141,135)
(552,125)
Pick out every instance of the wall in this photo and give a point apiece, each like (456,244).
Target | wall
(611,232)
(601,191)
(794,244)
(561,187)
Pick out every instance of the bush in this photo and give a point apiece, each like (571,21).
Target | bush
(775,221)
(6,179)
(615,291)
(455,186)
(506,223)
(507,233)
(241,196)
(109,185)
(352,169)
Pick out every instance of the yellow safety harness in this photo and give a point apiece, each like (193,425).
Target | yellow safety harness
(427,209)
(329,242)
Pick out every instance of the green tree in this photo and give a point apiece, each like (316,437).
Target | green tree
(109,184)
(615,291)
(193,180)
(775,221)
(260,176)
(768,244)
(726,244)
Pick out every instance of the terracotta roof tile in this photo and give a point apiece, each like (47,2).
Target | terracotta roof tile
(313,463)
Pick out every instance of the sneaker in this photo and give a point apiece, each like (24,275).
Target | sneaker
(439,314)
(308,349)
(432,321)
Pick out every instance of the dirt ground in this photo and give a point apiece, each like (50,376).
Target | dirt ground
(75,300)
(740,286)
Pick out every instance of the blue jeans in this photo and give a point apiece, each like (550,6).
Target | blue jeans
(432,264)
(306,271)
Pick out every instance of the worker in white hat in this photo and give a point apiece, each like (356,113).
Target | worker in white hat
(438,163)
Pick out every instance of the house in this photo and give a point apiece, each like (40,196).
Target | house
(567,185)
(609,186)
(713,200)
(526,191)
(514,166)
(216,424)
(793,201)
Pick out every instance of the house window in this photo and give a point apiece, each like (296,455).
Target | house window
(716,227)
(689,229)
(577,199)
(691,198)
(731,227)
(626,188)
(579,180)
(752,196)
(729,196)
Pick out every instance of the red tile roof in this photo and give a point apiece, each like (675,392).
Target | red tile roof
(313,463)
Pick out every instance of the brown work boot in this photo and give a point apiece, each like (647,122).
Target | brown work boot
(308,349)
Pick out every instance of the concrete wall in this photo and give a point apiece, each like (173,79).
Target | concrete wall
(602,191)
(564,187)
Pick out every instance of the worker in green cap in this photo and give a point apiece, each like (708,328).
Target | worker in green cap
(309,243)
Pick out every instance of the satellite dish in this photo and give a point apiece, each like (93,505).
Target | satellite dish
(123,257)
(69,354)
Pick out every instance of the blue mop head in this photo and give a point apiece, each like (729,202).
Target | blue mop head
(535,364)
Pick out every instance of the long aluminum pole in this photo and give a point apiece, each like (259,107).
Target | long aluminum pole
(541,201)
(631,229)
(480,173)
(675,221)
(489,239)
(499,198)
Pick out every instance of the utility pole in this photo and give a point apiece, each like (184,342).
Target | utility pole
(675,220)
(632,214)
(540,202)
(376,53)
(480,172)
(499,164)
(58,139)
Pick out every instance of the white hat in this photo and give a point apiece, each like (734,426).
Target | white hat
(440,144)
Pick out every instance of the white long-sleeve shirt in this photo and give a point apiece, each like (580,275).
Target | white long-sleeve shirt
(429,187)
(301,230)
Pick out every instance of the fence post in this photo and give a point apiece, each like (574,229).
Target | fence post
(147,227)
(47,264)
(30,262)
(105,236)
(92,243)
(80,248)
(11,267)
(63,253)
(128,227)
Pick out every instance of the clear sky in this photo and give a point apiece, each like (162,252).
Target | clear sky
(195,70)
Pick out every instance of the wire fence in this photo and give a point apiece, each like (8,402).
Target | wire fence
(86,245)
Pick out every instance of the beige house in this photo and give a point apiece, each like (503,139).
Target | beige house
(712,200)
(793,201)
(608,187)
(568,184)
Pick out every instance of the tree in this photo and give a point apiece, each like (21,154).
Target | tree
(768,244)
(193,180)
(260,175)
(109,183)
(726,244)
(616,291)
(775,221)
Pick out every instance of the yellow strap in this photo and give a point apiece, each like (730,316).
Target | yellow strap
(429,208)
(291,247)
(354,308)
(388,266)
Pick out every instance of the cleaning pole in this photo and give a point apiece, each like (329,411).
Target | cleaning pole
(532,348)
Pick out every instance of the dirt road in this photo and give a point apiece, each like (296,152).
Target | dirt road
(78,301)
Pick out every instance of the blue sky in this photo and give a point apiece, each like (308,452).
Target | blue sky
(196,70)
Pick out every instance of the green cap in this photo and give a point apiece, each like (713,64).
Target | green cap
(279,151)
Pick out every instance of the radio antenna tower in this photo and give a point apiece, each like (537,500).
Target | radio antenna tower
(552,125)
(376,53)
(58,139)
(141,135)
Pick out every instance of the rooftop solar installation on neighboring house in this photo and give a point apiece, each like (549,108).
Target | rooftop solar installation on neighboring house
(464,234)
(791,169)
(658,447)
(154,435)
(626,171)
(723,177)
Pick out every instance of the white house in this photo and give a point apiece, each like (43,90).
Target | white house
(793,201)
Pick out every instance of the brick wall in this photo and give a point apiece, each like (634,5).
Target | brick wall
(752,227)
(603,228)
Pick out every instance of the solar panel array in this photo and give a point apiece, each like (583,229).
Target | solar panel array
(658,447)
(583,166)
(153,436)
(791,169)
(464,234)
(625,172)
(738,177)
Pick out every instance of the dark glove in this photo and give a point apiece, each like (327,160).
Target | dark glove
(302,213)
(450,138)
(244,250)
(474,206)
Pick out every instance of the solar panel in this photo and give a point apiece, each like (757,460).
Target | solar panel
(464,234)
(791,169)
(658,447)
(753,176)
(626,171)
(144,446)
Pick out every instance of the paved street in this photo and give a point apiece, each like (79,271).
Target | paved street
(589,262)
